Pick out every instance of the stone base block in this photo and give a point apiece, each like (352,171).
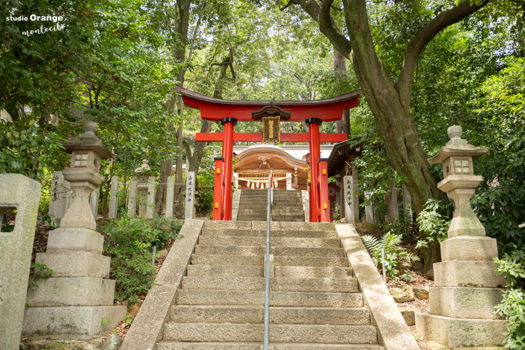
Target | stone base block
(71,319)
(75,239)
(479,248)
(75,263)
(72,291)
(460,273)
(464,302)
(457,332)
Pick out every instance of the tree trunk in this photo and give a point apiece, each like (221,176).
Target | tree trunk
(195,159)
(182,18)
(392,118)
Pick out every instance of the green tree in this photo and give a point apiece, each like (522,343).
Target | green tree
(387,85)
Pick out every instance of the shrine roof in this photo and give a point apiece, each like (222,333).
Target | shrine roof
(212,108)
(343,152)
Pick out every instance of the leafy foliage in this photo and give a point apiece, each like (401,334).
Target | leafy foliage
(129,242)
(433,223)
(512,266)
(397,259)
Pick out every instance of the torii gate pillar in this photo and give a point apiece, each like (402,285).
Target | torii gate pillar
(227,154)
(315,153)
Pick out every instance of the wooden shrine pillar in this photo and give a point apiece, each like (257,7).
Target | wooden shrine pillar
(324,208)
(227,154)
(315,153)
(217,189)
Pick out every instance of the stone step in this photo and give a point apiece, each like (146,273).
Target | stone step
(312,272)
(278,315)
(290,251)
(275,193)
(261,225)
(273,233)
(215,282)
(280,212)
(251,217)
(275,241)
(233,297)
(336,334)
(288,218)
(258,346)
(278,260)
(226,270)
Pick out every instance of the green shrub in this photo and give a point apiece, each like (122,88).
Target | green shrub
(129,242)
(512,307)
(499,201)
(432,223)
(397,260)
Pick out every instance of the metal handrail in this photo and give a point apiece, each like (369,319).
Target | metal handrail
(267,266)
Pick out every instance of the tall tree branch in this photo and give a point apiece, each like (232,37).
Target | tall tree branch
(328,28)
(321,14)
(422,38)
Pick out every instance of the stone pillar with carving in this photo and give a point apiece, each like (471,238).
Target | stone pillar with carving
(467,287)
(78,297)
(142,187)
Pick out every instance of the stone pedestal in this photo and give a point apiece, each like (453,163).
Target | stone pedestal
(467,287)
(78,297)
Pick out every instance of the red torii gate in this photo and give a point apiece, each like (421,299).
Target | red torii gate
(313,113)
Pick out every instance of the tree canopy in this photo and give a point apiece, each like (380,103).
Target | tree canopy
(422,65)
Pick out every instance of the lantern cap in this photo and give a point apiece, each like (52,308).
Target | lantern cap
(88,141)
(144,167)
(456,146)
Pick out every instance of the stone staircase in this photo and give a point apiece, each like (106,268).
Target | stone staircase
(287,205)
(314,300)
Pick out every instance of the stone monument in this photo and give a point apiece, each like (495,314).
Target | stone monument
(78,297)
(19,196)
(189,207)
(146,190)
(466,284)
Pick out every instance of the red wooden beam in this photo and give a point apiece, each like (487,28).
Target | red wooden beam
(329,109)
(258,137)
(333,138)
(248,136)
(209,136)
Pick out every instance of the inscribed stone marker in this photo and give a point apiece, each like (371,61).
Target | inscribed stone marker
(190,195)
(22,193)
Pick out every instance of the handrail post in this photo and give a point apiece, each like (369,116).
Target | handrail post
(267,266)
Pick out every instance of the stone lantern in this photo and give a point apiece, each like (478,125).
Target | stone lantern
(83,175)
(78,297)
(466,287)
(459,181)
